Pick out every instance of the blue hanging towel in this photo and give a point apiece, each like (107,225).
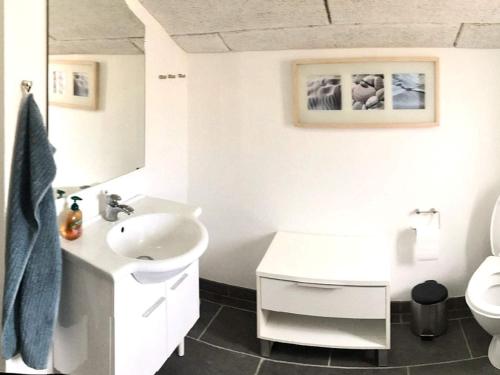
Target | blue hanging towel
(33,260)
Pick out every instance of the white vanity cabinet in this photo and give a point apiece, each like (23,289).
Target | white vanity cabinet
(117,326)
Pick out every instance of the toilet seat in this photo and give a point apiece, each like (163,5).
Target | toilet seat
(483,290)
(485,277)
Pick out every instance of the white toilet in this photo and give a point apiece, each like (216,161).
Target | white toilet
(483,291)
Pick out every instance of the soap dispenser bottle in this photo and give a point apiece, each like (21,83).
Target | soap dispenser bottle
(71,227)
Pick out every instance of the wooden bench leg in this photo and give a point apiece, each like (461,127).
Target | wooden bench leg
(265,348)
(382,357)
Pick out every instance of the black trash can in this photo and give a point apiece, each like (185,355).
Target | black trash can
(429,317)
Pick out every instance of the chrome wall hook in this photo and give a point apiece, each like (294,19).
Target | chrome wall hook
(26,86)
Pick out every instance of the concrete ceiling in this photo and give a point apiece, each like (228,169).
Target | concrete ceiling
(253,25)
(94,27)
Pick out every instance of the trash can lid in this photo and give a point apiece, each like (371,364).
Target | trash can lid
(429,292)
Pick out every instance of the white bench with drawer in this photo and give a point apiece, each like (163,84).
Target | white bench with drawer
(323,290)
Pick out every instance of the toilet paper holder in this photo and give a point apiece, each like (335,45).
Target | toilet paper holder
(431,211)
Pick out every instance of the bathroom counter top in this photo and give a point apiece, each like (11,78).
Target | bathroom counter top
(92,248)
(327,259)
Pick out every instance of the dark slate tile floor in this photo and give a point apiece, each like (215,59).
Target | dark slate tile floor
(224,341)
(207,313)
(276,368)
(228,301)
(234,329)
(477,338)
(301,354)
(408,349)
(203,359)
(479,366)
(353,358)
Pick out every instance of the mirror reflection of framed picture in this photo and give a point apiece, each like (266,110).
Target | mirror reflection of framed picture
(366,92)
(73,84)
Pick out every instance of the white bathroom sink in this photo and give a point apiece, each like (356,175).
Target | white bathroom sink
(162,243)
(159,240)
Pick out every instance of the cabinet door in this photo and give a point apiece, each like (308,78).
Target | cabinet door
(183,305)
(140,327)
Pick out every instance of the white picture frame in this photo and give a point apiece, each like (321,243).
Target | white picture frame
(73,84)
(319,85)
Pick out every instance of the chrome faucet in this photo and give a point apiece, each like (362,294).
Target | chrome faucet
(113,208)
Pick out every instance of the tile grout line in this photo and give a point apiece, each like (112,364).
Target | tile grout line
(210,322)
(462,318)
(449,320)
(231,297)
(253,300)
(465,338)
(340,367)
(446,362)
(231,307)
(258,366)
(237,300)
(253,311)
(232,350)
(408,309)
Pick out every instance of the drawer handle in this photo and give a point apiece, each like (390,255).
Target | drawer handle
(318,286)
(157,304)
(179,282)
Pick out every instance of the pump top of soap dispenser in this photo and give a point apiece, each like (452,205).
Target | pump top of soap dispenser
(74,206)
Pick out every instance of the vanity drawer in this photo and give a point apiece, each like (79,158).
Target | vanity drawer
(325,300)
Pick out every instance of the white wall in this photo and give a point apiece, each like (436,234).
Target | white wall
(166,112)
(94,146)
(254,173)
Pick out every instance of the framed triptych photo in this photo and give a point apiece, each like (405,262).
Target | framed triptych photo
(366,92)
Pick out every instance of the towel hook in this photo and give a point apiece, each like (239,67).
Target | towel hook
(26,86)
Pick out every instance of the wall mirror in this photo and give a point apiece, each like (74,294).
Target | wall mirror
(96,91)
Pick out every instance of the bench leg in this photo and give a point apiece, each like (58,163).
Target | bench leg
(180,349)
(265,348)
(382,357)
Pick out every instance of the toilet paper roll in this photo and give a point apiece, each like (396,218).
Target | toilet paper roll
(427,237)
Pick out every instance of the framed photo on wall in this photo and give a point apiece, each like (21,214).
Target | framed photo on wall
(366,92)
(73,84)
